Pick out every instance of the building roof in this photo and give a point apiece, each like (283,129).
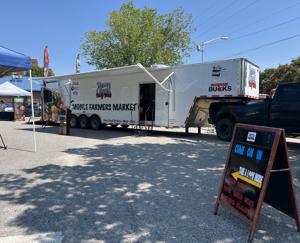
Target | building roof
(22,83)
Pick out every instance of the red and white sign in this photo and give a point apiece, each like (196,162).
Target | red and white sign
(46,61)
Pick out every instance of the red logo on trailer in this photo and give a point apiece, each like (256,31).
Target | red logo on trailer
(252,78)
(103,90)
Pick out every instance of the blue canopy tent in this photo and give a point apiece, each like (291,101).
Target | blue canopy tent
(11,61)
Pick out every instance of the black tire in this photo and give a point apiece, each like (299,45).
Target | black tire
(95,122)
(83,122)
(114,125)
(224,128)
(74,121)
(124,126)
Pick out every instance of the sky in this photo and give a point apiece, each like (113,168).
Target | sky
(28,26)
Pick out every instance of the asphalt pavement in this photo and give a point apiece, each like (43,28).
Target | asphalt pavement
(118,186)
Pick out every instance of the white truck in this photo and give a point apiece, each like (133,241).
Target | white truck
(176,96)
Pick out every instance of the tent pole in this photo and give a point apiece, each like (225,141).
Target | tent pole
(32,111)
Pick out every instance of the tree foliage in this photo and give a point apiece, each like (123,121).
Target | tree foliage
(139,36)
(270,78)
(37,71)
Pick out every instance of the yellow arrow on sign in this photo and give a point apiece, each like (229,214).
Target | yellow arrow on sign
(236,175)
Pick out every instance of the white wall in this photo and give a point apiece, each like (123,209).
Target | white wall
(124,90)
(197,80)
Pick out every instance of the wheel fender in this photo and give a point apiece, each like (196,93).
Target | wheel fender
(226,115)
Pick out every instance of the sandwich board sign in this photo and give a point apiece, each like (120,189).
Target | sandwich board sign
(257,170)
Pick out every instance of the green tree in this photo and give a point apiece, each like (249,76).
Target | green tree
(3,74)
(39,71)
(35,72)
(270,78)
(265,84)
(296,62)
(139,36)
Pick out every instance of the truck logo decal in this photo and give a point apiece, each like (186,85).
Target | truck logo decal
(252,78)
(216,71)
(103,90)
(219,87)
(251,137)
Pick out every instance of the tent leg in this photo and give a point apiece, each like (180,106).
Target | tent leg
(32,111)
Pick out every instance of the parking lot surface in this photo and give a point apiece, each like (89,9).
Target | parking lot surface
(114,186)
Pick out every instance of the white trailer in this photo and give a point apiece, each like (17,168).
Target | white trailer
(176,96)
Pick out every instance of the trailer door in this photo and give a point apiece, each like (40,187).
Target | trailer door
(162,106)
(147,102)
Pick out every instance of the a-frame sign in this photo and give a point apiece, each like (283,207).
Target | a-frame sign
(257,170)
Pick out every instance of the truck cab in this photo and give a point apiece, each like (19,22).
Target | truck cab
(285,107)
(282,111)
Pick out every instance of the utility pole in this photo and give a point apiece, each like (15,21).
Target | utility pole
(200,47)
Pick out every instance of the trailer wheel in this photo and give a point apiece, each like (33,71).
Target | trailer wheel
(74,121)
(83,122)
(124,126)
(95,122)
(224,128)
(114,125)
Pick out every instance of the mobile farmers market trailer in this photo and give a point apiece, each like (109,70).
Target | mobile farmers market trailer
(176,96)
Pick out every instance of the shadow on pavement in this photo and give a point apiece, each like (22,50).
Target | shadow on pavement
(84,133)
(108,133)
(133,193)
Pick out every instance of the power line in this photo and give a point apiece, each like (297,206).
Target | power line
(208,9)
(228,18)
(220,11)
(263,18)
(265,29)
(263,46)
